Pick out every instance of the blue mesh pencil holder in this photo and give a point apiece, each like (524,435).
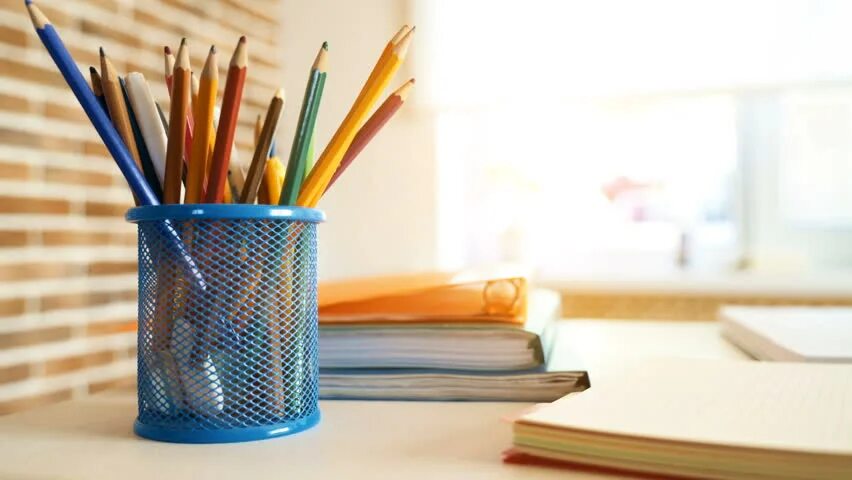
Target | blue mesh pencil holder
(227,322)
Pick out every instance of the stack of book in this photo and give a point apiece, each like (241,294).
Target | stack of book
(472,335)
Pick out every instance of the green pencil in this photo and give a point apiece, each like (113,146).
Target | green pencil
(309,162)
(304,130)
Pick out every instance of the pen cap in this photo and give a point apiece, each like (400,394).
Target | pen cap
(235,360)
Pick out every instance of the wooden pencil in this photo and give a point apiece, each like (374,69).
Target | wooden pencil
(203,117)
(378,120)
(273,180)
(177,125)
(97,89)
(258,126)
(258,162)
(228,117)
(117,108)
(304,129)
(316,182)
(169,64)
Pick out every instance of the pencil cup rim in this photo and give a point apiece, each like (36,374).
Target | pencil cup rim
(220,211)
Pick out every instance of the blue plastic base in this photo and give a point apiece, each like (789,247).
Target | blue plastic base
(225,436)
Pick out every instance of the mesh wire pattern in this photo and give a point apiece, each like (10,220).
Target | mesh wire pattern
(234,357)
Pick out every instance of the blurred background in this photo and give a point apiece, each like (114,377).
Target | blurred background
(649,159)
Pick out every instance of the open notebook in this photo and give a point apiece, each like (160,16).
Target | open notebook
(702,419)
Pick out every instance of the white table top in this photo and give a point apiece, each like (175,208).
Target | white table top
(92,438)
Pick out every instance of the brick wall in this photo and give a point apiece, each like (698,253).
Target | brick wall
(67,258)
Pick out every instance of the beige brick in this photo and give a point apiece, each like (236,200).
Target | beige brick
(13,238)
(18,272)
(19,404)
(12,204)
(111,268)
(34,337)
(14,103)
(15,171)
(12,306)
(101,209)
(78,177)
(13,36)
(110,328)
(75,113)
(74,300)
(78,362)
(14,373)
(75,237)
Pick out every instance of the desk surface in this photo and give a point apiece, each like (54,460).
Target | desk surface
(92,438)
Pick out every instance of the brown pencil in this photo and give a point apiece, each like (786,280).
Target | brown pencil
(117,108)
(371,127)
(177,126)
(261,150)
(216,183)
(97,89)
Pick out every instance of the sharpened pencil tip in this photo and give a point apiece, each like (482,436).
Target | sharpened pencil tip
(212,48)
(243,39)
(325,45)
(167,50)
(93,70)
(101,50)
(183,41)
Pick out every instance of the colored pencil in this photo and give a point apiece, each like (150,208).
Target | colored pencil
(258,162)
(100,120)
(316,182)
(304,128)
(97,89)
(309,161)
(177,126)
(258,126)
(169,64)
(195,88)
(150,122)
(117,108)
(144,157)
(378,120)
(163,119)
(228,117)
(203,117)
(273,180)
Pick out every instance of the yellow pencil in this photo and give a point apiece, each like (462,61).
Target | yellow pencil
(328,162)
(203,116)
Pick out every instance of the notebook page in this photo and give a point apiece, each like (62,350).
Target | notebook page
(802,407)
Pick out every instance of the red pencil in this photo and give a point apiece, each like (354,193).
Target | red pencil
(371,127)
(227,124)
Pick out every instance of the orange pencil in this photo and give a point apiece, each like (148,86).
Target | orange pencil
(216,184)
(201,136)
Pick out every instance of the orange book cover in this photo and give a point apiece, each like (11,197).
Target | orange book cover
(483,295)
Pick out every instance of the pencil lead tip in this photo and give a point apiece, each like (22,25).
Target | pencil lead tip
(101,50)
(28,2)
(92,69)
(212,48)
(413,81)
(183,41)
(325,45)
(243,39)
(413,28)
(167,50)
